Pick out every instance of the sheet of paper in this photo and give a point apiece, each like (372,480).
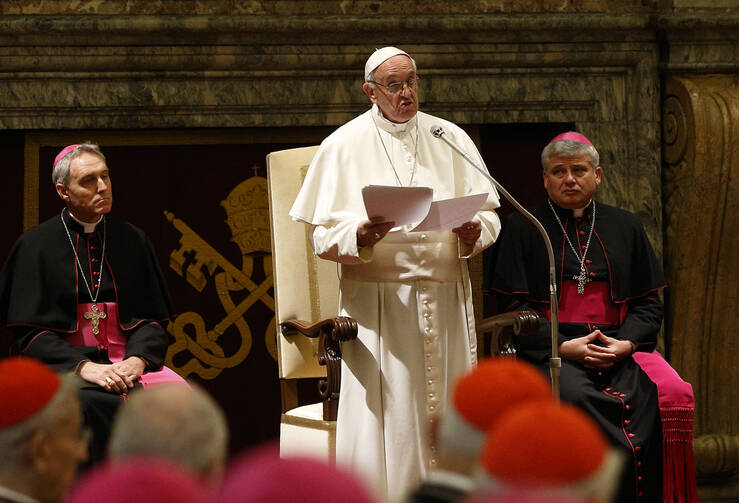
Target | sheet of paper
(450,213)
(402,205)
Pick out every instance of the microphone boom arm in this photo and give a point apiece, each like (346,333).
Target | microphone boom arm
(555,362)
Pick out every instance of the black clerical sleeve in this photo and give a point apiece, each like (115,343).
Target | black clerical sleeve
(148,341)
(642,323)
(51,348)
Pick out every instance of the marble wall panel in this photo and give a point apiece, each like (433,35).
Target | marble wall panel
(302,7)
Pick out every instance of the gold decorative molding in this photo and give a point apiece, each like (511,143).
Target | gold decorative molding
(701,208)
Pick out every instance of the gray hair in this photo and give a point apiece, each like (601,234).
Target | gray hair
(371,76)
(569,148)
(171,421)
(60,174)
(13,439)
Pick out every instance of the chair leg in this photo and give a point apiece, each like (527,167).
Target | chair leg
(289,394)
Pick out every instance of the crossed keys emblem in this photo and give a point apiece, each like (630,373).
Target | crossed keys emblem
(201,348)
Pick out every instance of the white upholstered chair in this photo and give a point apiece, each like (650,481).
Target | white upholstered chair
(306,291)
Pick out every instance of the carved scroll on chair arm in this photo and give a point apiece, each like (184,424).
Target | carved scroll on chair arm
(499,330)
(330,332)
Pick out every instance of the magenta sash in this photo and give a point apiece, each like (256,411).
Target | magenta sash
(111,337)
(594,306)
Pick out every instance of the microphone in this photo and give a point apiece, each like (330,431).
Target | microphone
(555,363)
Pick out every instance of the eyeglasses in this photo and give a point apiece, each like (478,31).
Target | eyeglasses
(396,87)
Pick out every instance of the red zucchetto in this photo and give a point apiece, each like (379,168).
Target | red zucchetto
(495,386)
(26,387)
(544,445)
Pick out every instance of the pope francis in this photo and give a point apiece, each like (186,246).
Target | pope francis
(409,291)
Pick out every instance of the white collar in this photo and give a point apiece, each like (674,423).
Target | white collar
(86,226)
(392,127)
(16,496)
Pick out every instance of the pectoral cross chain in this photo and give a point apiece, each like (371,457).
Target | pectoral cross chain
(95,316)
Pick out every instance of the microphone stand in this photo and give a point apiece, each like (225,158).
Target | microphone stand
(555,362)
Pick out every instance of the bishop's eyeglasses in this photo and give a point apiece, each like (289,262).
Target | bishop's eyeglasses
(396,87)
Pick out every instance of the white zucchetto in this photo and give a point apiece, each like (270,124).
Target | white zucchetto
(380,56)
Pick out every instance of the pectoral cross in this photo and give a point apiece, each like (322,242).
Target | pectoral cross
(581,278)
(95,318)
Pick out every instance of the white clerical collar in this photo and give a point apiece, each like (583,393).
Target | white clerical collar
(15,496)
(389,126)
(86,226)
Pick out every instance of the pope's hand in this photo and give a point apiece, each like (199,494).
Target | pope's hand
(469,232)
(373,230)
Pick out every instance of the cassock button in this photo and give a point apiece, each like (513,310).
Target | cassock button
(628,407)
(641,494)
(631,435)
(592,274)
(95,273)
(94,260)
(588,261)
(639,478)
(638,463)
(609,389)
(582,233)
(622,395)
(637,448)
(626,421)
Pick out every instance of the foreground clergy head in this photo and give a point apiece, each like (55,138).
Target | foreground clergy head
(41,434)
(482,397)
(140,481)
(262,476)
(391,83)
(179,423)
(82,180)
(572,170)
(551,447)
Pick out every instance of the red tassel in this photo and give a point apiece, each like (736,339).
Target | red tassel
(678,465)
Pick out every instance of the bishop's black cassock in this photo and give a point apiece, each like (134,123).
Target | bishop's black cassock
(620,264)
(41,287)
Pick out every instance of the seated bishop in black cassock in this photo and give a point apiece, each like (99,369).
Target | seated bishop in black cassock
(83,292)
(608,280)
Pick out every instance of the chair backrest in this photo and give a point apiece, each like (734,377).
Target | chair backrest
(305,287)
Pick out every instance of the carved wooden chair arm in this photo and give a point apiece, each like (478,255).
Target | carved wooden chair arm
(330,333)
(341,328)
(498,330)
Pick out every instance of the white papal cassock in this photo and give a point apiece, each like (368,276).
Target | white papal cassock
(410,293)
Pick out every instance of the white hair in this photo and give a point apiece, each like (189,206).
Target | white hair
(569,148)
(184,425)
